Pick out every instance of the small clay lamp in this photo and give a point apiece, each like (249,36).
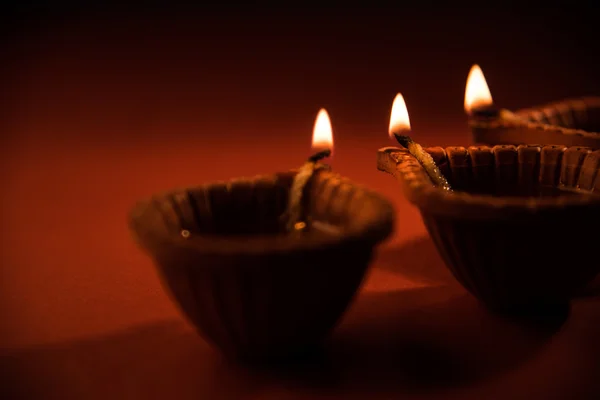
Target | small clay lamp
(253,288)
(571,122)
(515,225)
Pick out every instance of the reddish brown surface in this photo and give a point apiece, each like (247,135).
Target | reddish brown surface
(102,115)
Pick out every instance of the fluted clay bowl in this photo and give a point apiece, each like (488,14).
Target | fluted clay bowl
(571,122)
(519,231)
(251,290)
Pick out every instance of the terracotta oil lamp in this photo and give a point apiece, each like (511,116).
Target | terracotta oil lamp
(571,122)
(514,224)
(265,266)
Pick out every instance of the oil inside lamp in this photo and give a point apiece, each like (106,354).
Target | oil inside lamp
(399,130)
(322,145)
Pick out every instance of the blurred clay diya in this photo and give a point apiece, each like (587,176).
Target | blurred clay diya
(515,225)
(253,288)
(571,122)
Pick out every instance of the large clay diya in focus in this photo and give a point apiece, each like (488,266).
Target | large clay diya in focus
(515,225)
(571,122)
(254,289)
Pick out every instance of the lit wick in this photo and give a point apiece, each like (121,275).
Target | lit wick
(478,99)
(399,129)
(322,139)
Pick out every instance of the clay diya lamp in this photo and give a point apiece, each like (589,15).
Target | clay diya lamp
(516,225)
(571,122)
(253,287)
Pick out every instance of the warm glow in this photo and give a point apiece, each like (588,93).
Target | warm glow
(399,120)
(477,93)
(322,133)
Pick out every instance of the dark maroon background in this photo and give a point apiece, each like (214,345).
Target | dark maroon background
(104,105)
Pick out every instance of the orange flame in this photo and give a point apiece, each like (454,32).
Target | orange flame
(477,92)
(399,120)
(322,133)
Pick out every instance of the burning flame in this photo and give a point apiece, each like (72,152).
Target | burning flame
(399,120)
(322,133)
(477,92)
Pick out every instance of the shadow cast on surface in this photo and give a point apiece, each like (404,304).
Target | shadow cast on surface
(400,341)
(430,337)
(377,350)
(591,290)
(417,259)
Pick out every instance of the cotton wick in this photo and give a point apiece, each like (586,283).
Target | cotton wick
(492,112)
(487,111)
(425,159)
(294,213)
(318,156)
